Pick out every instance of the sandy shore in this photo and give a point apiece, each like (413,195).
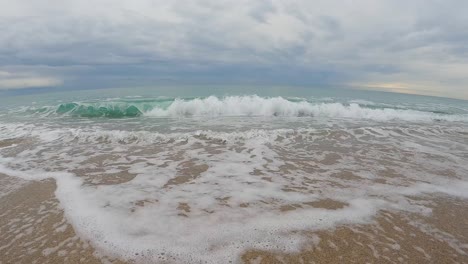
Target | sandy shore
(393,238)
(34,230)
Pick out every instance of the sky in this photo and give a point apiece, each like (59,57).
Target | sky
(418,47)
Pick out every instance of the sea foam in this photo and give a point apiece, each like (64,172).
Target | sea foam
(208,196)
(207,179)
(278,106)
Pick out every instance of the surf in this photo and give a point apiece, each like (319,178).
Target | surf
(240,106)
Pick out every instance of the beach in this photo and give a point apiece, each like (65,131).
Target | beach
(34,230)
(212,132)
(187,181)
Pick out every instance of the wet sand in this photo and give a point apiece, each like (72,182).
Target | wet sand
(34,230)
(393,238)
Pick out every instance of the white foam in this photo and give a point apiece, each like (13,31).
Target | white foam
(278,106)
(291,170)
(101,214)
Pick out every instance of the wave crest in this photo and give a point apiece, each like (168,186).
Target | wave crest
(242,106)
(278,106)
(110,110)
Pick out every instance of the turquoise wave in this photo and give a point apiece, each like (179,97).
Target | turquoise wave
(111,109)
(240,106)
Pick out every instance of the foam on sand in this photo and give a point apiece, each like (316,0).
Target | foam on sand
(208,196)
(157,232)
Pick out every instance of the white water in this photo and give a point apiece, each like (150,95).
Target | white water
(244,158)
(278,106)
(217,228)
(250,106)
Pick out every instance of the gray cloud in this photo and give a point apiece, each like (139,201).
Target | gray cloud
(419,45)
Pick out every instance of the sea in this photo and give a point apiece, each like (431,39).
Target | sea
(203,174)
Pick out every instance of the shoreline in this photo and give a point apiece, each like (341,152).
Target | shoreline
(34,229)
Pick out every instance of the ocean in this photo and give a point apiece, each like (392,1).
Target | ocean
(194,174)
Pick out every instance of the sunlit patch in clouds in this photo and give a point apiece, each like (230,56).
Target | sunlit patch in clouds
(25,80)
(333,43)
(390,87)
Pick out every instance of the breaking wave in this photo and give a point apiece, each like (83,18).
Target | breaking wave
(243,106)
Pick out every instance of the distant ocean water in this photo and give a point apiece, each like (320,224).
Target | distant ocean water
(202,174)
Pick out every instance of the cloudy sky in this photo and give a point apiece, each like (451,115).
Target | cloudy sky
(391,45)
